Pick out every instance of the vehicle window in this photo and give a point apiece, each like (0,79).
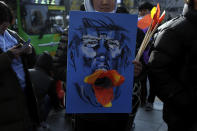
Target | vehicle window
(39,19)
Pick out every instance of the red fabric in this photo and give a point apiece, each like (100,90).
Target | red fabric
(145,22)
(60,92)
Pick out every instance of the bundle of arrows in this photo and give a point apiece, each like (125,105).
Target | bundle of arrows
(156,21)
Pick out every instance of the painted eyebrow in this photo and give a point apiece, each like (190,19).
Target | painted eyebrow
(91,37)
(114,41)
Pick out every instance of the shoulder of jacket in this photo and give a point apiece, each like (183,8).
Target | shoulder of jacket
(176,25)
(172,24)
(15,35)
(11,32)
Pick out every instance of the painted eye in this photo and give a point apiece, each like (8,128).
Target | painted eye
(113,44)
(90,44)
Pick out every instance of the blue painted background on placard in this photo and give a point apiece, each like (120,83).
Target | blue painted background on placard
(100,41)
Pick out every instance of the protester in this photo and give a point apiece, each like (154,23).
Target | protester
(145,9)
(136,100)
(121,120)
(18,108)
(44,85)
(173,69)
(122,9)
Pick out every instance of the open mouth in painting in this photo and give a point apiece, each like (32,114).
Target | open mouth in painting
(103,82)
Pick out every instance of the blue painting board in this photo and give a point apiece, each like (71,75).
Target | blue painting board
(100,41)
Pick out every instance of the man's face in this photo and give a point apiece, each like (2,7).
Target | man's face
(4,27)
(104,5)
(101,49)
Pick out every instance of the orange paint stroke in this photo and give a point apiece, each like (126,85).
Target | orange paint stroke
(104,95)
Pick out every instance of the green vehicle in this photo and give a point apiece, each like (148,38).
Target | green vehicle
(42,21)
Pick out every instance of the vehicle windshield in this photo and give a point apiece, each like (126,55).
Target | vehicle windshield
(42,18)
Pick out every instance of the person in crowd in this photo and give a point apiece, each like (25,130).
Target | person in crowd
(60,63)
(122,9)
(173,69)
(18,107)
(145,9)
(44,86)
(82,7)
(136,100)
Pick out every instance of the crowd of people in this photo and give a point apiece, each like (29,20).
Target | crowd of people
(30,85)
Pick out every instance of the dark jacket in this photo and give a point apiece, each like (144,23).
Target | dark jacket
(60,58)
(41,81)
(173,67)
(43,84)
(15,106)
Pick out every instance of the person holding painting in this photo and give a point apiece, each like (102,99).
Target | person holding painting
(61,55)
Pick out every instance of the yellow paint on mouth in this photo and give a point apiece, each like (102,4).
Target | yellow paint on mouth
(92,78)
(108,105)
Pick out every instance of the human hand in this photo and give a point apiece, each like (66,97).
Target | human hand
(27,49)
(137,68)
(16,51)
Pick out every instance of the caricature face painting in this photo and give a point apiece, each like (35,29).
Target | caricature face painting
(98,57)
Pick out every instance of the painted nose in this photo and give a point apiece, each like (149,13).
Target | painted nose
(102,58)
(102,49)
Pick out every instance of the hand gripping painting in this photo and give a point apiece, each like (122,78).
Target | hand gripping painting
(100,72)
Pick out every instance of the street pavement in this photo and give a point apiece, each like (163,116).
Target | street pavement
(145,120)
(150,120)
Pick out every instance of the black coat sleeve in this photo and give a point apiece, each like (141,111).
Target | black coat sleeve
(5,61)
(163,66)
(31,59)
